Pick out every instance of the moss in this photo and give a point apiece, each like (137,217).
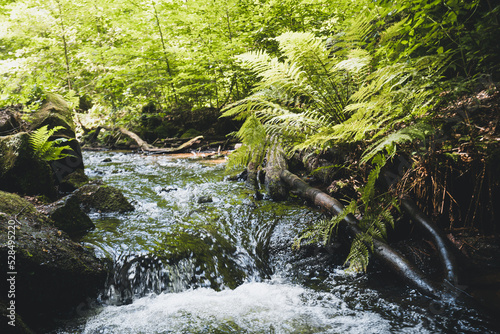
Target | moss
(103,198)
(13,204)
(52,120)
(74,180)
(54,273)
(68,216)
(55,103)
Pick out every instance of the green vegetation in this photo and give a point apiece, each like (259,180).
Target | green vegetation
(46,149)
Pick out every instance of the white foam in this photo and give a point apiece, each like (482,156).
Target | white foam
(251,308)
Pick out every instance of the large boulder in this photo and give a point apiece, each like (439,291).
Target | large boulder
(73,181)
(52,273)
(54,111)
(20,171)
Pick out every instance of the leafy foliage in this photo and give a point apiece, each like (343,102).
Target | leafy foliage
(254,144)
(307,91)
(390,142)
(317,96)
(46,149)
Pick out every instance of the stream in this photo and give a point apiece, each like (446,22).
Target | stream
(201,255)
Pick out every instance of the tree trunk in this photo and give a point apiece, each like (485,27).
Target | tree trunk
(65,44)
(275,164)
(169,71)
(381,250)
(142,144)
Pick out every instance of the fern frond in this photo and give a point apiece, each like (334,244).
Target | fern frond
(254,139)
(359,254)
(408,134)
(45,149)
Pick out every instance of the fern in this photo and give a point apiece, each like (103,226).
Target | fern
(323,230)
(307,92)
(390,142)
(377,218)
(45,149)
(254,140)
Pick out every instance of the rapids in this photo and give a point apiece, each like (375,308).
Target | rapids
(201,255)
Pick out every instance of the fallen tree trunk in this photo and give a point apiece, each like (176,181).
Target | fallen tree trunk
(145,147)
(381,250)
(142,144)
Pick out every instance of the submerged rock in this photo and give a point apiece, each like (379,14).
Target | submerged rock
(53,273)
(102,198)
(205,199)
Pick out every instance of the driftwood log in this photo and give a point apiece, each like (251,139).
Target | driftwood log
(382,250)
(143,145)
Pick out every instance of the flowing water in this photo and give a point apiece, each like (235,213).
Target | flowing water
(201,255)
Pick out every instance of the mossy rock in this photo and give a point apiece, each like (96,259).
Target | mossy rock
(55,103)
(12,205)
(102,198)
(20,171)
(53,272)
(54,112)
(52,120)
(73,181)
(85,103)
(68,216)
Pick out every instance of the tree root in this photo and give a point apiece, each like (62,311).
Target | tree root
(445,255)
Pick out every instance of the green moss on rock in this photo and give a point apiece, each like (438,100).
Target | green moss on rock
(68,216)
(53,272)
(12,204)
(103,198)
(74,181)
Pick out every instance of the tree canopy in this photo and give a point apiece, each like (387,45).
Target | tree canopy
(183,53)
